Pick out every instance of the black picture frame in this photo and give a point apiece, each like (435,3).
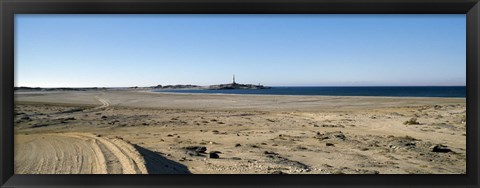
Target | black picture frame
(11,7)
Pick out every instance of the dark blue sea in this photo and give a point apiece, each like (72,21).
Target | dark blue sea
(394,91)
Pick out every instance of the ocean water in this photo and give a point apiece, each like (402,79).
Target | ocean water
(394,91)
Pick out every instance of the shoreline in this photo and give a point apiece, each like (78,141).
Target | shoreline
(356,96)
(228,94)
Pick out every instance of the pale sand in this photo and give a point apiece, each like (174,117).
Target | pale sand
(254,133)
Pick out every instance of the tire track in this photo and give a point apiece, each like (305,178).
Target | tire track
(75,153)
(131,161)
(105,102)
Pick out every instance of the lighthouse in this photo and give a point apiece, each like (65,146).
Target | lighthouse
(233,79)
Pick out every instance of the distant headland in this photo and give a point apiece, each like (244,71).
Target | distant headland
(233,85)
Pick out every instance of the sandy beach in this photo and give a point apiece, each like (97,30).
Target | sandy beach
(141,132)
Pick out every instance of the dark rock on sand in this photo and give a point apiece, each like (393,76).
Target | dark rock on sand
(38,125)
(270,152)
(69,119)
(412,121)
(440,149)
(338,135)
(405,142)
(199,149)
(213,156)
(26,118)
(278,172)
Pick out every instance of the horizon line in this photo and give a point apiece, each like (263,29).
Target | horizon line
(264,85)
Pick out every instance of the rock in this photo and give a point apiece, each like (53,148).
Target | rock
(25,118)
(301,148)
(411,144)
(270,152)
(278,172)
(38,125)
(329,144)
(113,122)
(104,117)
(406,142)
(213,156)
(238,145)
(199,149)
(270,120)
(412,121)
(69,119)
(440,149)
(338,135)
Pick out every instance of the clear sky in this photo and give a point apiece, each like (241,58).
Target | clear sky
(274,50)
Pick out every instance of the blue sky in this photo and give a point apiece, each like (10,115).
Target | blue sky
(274,50)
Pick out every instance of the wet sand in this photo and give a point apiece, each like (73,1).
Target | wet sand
(143,132)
